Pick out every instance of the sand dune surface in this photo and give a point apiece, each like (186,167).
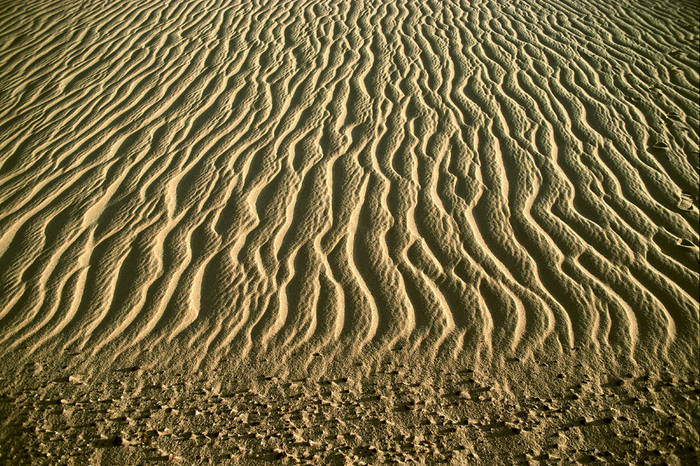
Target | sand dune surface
(349,231)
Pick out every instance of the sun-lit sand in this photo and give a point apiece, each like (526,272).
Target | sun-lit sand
(349,231)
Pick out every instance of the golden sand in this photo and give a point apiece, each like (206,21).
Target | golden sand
(349,231)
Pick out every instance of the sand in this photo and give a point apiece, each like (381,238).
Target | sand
(349,231)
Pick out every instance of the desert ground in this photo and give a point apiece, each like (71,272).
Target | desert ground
(349,231)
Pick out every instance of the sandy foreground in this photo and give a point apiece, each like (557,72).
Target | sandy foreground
(349,231)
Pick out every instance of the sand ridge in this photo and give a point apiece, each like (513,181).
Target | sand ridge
(308,189)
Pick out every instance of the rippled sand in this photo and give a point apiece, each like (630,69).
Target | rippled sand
(469,224)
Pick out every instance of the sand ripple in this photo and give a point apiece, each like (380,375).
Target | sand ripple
(325,181)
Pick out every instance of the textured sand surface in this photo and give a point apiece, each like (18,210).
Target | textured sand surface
(349,230)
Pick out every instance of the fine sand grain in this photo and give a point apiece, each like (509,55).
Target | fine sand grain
(349,231)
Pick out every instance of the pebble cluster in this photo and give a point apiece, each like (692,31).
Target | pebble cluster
(390,415)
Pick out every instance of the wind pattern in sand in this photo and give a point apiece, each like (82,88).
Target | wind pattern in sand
(239,179)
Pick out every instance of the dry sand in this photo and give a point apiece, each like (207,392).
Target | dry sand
(349,231)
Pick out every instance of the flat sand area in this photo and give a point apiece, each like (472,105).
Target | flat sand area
(349,231)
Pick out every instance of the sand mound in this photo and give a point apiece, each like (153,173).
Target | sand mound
(310,190)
